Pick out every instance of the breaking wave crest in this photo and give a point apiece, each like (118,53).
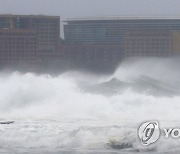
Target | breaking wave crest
(43,96)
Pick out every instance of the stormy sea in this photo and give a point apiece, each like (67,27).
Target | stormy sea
(80,112)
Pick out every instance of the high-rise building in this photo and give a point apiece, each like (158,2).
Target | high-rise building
(135,36)
(47,28)
(28,39)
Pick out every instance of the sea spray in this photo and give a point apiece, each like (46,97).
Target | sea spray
(56,113)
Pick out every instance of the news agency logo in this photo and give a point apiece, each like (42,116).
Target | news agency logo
(149,132)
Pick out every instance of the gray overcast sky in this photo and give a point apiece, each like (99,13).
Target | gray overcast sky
(85,8)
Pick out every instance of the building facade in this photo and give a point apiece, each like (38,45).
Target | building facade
(96,44)
(136,36)
(18,49)
(47,28)
(123,37)
(26,40)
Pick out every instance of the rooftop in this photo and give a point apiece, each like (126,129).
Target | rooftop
(28,16)
(124,18)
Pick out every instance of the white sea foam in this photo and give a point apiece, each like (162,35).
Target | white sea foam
(55,112)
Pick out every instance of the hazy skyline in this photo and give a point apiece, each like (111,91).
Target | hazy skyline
(85,8)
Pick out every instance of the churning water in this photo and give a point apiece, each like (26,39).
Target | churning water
(80,112)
